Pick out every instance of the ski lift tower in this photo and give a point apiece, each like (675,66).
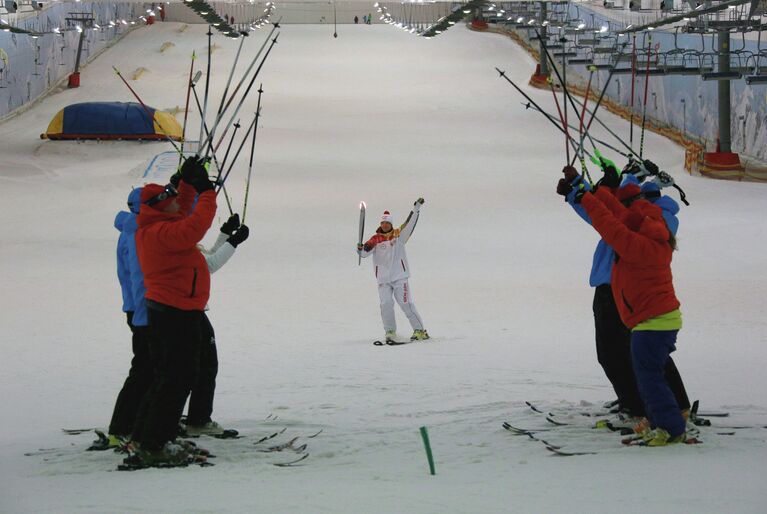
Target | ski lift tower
(79,22)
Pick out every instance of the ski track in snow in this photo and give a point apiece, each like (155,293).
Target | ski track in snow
(500,278)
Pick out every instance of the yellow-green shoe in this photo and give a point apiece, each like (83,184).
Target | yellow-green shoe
(419,335)
(662,438)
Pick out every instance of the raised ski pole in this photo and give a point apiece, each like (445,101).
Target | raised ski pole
(532,102)
(561,119)
(186,109)
(593,140)
(231,141)
(228,81)
(148,112)
(222,181)
(361,229)
(335,24)
(427,447)
(646,87)
(583,111)
(612,133)
(207,88)
(245,75)
(602,94)
(247,90)
(633,84)
(252,150)
(215,160)
(563,81)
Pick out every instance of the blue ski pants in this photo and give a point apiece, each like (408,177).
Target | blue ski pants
(650,351)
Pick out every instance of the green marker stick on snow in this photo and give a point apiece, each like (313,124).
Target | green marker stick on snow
(425,437)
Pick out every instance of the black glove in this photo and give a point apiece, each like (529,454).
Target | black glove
(570,173)
(231,224)
(193,172)
(564,187)
(240,235)
(175,179)
(579,195)
(611,178)
(420,200)
(651,167)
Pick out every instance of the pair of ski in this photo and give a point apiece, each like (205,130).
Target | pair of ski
(532,434)
(200,456)
(389,342)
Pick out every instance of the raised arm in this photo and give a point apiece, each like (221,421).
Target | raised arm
(407,228)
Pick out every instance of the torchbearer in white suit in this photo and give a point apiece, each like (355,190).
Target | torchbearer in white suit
(392,271)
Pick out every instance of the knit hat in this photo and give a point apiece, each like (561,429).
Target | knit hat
(627,192)
(150,192)
(387,217)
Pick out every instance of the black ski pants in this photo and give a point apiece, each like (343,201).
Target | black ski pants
(135,386)
(613,340)
(174,347)
(204,388)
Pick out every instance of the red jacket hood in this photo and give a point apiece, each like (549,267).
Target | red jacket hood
(642,283)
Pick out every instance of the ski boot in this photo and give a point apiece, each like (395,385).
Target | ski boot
(391,336)
(170,455)
(419,335)
(211,428)
(662,438)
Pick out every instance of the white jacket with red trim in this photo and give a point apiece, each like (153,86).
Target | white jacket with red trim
(388,250)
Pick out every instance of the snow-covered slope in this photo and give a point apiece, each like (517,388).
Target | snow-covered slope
(500,276)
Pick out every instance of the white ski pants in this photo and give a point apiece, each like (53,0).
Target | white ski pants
(400,291)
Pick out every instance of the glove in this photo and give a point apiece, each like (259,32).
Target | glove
(360,246)
(193,172)
(564,187)
(417,204)
(579,195)
(231,224)
(570,173)
(611,178)
(240,235)
(175,179)
(651,167)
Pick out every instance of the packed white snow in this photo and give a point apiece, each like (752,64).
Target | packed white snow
(500,275)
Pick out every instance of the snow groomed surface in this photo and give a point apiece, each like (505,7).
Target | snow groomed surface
(500,270)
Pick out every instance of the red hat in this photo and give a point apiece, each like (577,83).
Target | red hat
(152,191)
(628,192)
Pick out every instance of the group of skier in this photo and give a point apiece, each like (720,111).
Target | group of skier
(164,274)
(636,312)
(165,278)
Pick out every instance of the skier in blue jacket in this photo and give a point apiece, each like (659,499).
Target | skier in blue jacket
(132,284)
(613,338)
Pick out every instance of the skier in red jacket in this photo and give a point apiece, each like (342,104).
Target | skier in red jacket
(177,281)
(644,294)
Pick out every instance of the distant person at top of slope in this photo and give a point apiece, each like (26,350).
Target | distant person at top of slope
(613,338)
(392,272)
(177,280)
(644,294)
(198,419)
(132,284)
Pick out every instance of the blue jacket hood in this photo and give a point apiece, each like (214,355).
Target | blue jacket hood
(134,200)
(669,206)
